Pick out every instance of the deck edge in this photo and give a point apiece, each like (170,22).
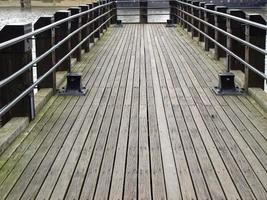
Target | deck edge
(10,131)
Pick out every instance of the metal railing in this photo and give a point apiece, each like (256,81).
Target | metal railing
(106,14)
(191,17)
(143,9)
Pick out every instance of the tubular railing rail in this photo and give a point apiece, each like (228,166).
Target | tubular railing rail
(143,7)
(232,33)
(57,38)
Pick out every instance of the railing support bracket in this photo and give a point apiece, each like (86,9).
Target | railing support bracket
(74,86)
(118,23)
(227,85)
(170,23)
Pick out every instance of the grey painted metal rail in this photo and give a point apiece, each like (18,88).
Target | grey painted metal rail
(227,16)
(109,15)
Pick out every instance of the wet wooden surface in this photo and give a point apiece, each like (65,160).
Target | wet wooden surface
(150,127)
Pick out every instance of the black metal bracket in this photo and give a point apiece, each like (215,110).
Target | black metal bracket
(227,85)
(118,23)
(170,23)
(74,86)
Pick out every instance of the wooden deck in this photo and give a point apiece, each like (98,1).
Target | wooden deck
(150,127)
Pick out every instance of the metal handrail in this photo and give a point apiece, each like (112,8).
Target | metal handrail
(7,107)
(263,51)
(226,49)
(264,27)
(150,14)
(137,8)
(245,21)
(11,42)
(29,65)
(45,28)
(141,7)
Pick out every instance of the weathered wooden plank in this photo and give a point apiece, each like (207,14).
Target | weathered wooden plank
(157,173)
(251,135)
(131,167)
(253,114)
(117,183)
(258,169)
(254,179)
(171,103)
(22,163)
(144,176)
(21,137)
(34,164)
(149,128)
(171,178)
(90,182)
(10,160)
(37,180)
(248,171)
(25,141)
(102,189)
(206,166)
(131,173)
(101,97)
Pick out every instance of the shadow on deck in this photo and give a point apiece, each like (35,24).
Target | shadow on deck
(149,127)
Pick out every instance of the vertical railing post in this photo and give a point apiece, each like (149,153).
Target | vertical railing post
(108,8)
(185,25)
(183,21)
(114,12)
(61,32)
(179,13)
(96,23)
(101,11)
(194,21)
(104,11)
(209,18)
(237,29)
(143,12)
(12,59)
(173,11)
(188,18)
(76,38)
(200,24)
(220,22)
(85,31)
(43,42)
(257,37)
(91,26)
